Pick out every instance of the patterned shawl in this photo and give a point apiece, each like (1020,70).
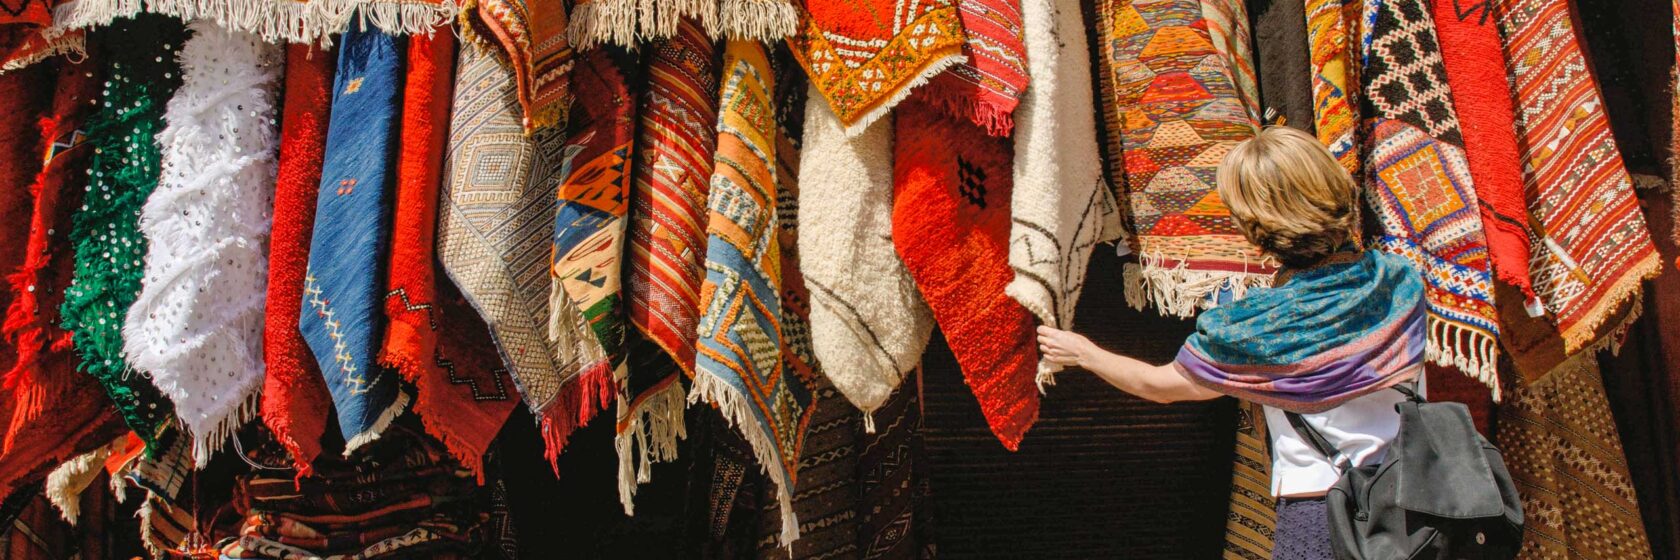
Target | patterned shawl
(988,86)
(1060,205)
(950,224)
(21,145)
(625,22)
(1481,95)
(1592,248)
(140,73)
(434,339)
(1325,335)
(294,395)
(196,326)
(1418,184)
(738,367)
(532,37)
(43,366)
(863,61)
(1332,28)
(673,163)
(275,21)
(343,293)
(869,324)
(1180,100)
(494,236)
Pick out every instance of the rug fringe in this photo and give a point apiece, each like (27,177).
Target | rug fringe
(1471,351)
(649,435)
(934,69)
(60,43)
(81,14)
(409,368)
(660,18)
(735,407)
(66,483)
(598,22)
(1179,291)
(205,445)
(1631,291)
(988,116)
(274,21)
(384,421)
(757,20)
(577,403)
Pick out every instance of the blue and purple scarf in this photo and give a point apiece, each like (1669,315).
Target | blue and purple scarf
(1319,338)
(343,298)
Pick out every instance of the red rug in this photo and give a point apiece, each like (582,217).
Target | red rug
(295,400)
(20,162)
(987,87)
(951,187)
(1481,94)
(460,398)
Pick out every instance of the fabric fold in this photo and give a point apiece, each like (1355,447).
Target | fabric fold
(532,37)
(342,319)
(196,326)
(864,62)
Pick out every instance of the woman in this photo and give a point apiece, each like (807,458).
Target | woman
(1338,328)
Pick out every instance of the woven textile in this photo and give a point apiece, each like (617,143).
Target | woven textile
(1593,248)
(863,61)
(1332,32)
(1179,107)
(1418,185)
(626,22)
(1060,206)
(988,86)
(1281,50)
(738,367)
(532,37)
(43,366)
(294,395)
(869,324)
(21,144)
(435,340)
(1252,516)
(196,326)
(671,170)
(1567,460)
(26,35)
(950,224)
(275,21)
(140,72)
(1481,95)
(894,516)
(494,230)
(343,291)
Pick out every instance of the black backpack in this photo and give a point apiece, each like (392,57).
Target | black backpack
(1441,492)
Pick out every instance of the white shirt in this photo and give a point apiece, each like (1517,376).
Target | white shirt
(1360,429)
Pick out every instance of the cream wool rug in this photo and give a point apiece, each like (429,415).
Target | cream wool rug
(1061,207)
(196,327)
(868,322)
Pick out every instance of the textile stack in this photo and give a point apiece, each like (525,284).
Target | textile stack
(326,278)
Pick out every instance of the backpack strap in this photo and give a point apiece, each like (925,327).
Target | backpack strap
(1317,440)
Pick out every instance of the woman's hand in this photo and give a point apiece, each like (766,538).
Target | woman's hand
(1065,348)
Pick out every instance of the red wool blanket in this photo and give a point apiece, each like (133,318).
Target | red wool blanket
(294,397)
(951,188)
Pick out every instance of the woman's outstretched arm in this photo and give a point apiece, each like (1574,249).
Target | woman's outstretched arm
(1161,384)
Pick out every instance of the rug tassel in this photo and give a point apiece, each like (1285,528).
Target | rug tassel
(756,20)
(577,404)
(66,483)
(1474,352)
(710,389)
(650,435)
(1179,291)
(384,421)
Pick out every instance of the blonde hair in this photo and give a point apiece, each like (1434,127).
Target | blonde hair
(1289,196)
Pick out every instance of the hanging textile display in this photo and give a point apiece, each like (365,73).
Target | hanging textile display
(532,37)
(624,23)
(27,36)
(950,224)
(434,338)
(987,87)
(1566,458)
(494,238)
(1182,106)
(141,72)
(22,141)
(673,162)
(1481,96)
(295,399)
(1592,248)
(863,62)
(869,324)
(274,21)
(1332,29)
(343,287)
(1060,205)
(1418,184)
(196,326)
(1281,51)
(738,365)
(894,520)
(1251,519)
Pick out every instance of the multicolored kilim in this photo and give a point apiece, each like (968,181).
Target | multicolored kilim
(1593,248)
(532,36)
(1566,458)
(866,55)
(951,223)
(1252,516)
(140,71)
(987,87)
(1420,188)
(1183,98)
(343,316)
(495,227)
(667,233)
(739,366)
(1332,29)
